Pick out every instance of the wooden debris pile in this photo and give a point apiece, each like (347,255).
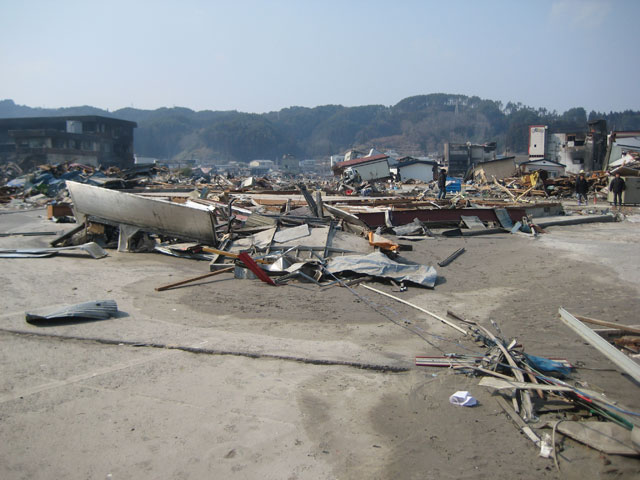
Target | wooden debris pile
(538,393)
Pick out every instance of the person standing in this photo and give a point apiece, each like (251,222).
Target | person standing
(582,187)
(442,184)
(617,186)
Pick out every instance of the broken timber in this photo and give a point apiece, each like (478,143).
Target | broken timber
(525,396)
(617,326)
(189,280)
(453,325)
(526,429)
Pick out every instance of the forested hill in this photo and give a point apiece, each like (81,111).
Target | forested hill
(414,126)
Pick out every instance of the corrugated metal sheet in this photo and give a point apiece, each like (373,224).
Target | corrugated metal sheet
(98,310)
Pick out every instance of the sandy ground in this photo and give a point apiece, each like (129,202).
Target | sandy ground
(278,400)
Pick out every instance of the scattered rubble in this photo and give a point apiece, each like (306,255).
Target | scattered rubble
(538,393)
(284,228)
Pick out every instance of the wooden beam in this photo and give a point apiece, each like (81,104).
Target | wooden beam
(447,322)
(526,429)
(189,280)
(229,254)
(504,189)
(525,395)
(604,323)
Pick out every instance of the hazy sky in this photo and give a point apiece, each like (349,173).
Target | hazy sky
(258,56)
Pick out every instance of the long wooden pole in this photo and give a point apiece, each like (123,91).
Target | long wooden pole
(189,280)
(453,325)
(603,323)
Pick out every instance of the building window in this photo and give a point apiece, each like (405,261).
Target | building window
(37,143)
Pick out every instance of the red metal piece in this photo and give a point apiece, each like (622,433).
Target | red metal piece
(253,266)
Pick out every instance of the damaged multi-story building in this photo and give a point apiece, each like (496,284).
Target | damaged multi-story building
(460,157)
(89,139)
(575,150)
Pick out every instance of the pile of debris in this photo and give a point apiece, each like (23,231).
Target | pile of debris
(527,188)
(276,229)
(313,243)
(538,393)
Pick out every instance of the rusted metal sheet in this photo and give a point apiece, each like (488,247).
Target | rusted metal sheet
(403,217)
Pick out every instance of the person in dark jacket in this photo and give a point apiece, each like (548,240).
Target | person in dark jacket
(617,186)
(442,184)
(582,187)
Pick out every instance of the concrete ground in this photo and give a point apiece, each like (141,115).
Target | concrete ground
(273,393)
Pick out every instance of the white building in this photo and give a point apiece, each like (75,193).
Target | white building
(415,168)
(574,150)
(336,159)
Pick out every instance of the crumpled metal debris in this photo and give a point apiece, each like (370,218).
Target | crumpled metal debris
(378,264)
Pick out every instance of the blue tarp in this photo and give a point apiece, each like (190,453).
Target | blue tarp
(546,365)
(454,184)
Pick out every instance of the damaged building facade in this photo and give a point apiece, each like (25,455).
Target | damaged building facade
(460,157)
(89,139)
(576,150)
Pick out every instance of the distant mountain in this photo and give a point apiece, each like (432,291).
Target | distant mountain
(414,126)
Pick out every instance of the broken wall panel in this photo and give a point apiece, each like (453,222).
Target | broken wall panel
(404,217)
(148,214)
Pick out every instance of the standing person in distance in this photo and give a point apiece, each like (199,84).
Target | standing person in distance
(442,184)
(617,186)
(582,187)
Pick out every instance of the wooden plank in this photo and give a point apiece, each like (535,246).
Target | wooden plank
(446,322)
(500,384)
(447,361)
(69,234)
(524,193)
(526,429)
(229,254)
(526,396)
(626,364)
(459,317)
(189,280)
(484,370)
(504,189)
(604,323)
(606,437)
